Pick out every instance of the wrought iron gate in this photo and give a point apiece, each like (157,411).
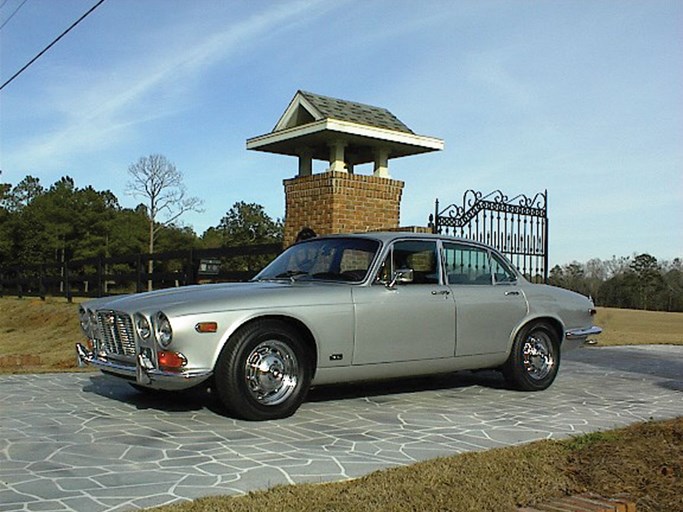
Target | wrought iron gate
(517,227)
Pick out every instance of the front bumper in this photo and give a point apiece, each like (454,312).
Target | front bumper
(143,372)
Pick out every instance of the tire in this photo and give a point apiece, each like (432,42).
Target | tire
(535,358)
(263,372)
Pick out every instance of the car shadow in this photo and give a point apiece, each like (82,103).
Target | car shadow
(194,399)
(631,359)
(369,389)
(203,397)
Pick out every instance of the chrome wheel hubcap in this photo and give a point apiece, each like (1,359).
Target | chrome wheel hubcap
(271,372)
(538,356)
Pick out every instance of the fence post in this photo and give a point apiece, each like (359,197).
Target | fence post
(20,288)
(435,224)
(67,282)
(190,275)
(138,284)
(546,244)
(41,282)
(100,277)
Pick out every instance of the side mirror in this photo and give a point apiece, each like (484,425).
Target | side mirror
(401,275)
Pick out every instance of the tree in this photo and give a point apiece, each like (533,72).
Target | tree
(4,191)
(157,181)
(245,224)
(571,276)
(22,194)
(249,224)
(673,280)
(24,235)
(650,281)
(4,217)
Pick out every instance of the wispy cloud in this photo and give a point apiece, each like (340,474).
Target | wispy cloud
(94,111)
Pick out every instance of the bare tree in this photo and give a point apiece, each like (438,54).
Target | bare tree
(157,181)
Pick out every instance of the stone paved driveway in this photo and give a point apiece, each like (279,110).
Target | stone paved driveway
(83,442)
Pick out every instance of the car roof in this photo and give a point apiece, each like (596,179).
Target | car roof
(388,236)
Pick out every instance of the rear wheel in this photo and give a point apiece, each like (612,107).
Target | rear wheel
(263,372)
(535,358)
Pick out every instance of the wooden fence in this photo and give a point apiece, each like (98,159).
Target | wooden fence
(100,276)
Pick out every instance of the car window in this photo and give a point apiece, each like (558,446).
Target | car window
(337,259)
(501,271)
(466,264)
(420,256)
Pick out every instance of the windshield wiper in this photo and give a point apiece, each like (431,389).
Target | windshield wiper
(292,275)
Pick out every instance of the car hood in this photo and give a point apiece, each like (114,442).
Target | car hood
(208,298)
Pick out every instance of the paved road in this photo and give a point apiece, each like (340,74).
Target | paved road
(83,442)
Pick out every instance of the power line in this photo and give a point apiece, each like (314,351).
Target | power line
(12,15)
(73,25)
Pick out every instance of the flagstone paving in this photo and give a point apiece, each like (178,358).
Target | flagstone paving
(84,442)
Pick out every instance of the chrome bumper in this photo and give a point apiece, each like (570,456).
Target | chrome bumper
(144,372)
(575,338)
(573,334)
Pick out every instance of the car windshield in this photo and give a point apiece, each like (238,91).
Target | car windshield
(331,259)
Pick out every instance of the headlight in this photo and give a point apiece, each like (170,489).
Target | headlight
(163,328)
(88,321)
(93,323)
(142,326)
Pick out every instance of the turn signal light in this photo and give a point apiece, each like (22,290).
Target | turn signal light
(171,360)
(206,327)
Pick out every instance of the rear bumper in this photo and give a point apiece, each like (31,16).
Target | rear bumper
(573,334)
(143,372)
(575,338)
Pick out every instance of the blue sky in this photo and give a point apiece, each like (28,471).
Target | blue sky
(583,98)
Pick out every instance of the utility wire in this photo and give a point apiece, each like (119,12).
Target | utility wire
(12,15)
(52,44)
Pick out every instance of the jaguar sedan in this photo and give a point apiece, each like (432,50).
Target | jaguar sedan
(338,309)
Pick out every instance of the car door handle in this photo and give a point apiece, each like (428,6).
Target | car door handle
(511,293)
(441,292)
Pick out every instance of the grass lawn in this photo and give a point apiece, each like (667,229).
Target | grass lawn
(643,461)
(633,327)
(38,336)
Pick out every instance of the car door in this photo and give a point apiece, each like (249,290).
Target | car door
(489,302)
(408,321)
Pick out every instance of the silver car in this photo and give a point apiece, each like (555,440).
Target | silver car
(338,309)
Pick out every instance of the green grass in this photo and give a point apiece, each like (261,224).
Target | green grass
(634,327)
(38,336)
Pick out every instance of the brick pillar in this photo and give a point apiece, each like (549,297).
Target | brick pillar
(339,202)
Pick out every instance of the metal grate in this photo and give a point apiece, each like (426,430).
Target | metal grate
(517,227)
(116,333)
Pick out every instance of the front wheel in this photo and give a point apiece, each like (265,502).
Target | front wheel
(535,358)
(263,372)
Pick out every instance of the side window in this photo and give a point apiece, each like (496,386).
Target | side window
(418,255)
(354,264)
(501,271)
(467,264)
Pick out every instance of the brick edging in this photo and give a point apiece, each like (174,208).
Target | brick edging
(587,502)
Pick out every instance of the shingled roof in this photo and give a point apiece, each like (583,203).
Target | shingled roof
(359,113)
(313,124)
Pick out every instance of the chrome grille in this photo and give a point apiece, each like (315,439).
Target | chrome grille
(115,333)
